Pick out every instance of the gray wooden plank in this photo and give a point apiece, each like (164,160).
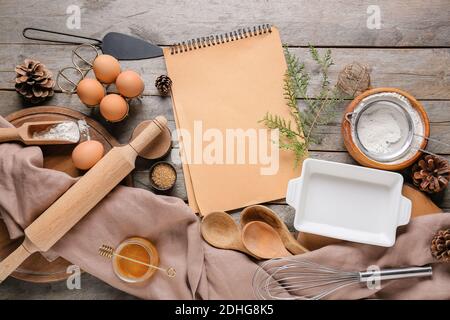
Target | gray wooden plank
(151,106)
(321,22)
(422,72)
(91,289)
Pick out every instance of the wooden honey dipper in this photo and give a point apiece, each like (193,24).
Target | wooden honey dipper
(109,252)
(84,195)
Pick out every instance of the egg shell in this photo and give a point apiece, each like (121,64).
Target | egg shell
(106,68)
(129,84)
(87,154)
(113,107)
(90,91)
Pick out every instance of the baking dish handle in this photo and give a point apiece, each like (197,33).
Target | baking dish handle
(293,192)
(405,211)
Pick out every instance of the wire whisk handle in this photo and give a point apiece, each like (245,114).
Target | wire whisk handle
(398,273)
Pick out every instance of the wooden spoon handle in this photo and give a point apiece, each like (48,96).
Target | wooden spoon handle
(294,247)
(9,134)
(13,261)
(241,247)
(285,253)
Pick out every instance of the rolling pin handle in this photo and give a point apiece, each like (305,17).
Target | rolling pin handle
(149,133)
(13,261)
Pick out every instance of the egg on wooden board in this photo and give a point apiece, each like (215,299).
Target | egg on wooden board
(90,91)
(106,68)
(113,107)
(87,154)
(130,84)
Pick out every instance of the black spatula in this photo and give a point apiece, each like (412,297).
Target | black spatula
(118,45)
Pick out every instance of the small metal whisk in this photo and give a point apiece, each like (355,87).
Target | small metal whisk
(291,279)
(109,252)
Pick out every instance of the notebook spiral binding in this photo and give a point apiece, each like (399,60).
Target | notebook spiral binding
(213,40)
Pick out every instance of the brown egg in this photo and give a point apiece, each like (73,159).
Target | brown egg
(90,91)
(87,154)
(130,84)
(113,107)
(106,68)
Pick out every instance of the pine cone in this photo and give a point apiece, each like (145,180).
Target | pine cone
(431,174)
(163,83)
(34,81)
(440,245)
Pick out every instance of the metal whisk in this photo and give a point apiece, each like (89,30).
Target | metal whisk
(291,279)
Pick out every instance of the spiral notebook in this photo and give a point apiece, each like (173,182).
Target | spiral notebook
(221,84)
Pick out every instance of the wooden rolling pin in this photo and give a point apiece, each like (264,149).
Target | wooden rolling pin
(76,202)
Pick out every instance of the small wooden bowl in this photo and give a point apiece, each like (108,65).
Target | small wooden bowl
(358,155)
(154,185)
(159,148)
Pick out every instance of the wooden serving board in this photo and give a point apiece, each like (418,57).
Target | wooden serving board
(58,157)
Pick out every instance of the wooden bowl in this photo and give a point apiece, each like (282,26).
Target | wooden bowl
(154,185)
(358,155)
(157,149)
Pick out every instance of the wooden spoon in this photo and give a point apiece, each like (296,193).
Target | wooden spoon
(25,132)
(220,231)
(263,241)
(264,214)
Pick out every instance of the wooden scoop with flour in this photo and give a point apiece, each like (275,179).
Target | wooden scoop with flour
(76,202)
(30,133)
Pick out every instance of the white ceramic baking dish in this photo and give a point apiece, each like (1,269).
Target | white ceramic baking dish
(348,202)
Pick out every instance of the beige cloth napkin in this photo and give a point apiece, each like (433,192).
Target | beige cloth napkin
(203,272)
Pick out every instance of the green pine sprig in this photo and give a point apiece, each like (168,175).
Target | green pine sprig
(318,110)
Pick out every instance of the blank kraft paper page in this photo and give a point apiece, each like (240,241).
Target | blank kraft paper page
(218,91)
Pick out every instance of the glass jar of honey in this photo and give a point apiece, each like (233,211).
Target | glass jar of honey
(138,249)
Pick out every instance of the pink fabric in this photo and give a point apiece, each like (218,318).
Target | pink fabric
(412,248)
(203,272)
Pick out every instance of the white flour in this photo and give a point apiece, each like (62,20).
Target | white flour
(379,130)
(67,130)
(84,129)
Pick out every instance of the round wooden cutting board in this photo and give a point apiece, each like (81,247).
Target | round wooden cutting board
(58,157)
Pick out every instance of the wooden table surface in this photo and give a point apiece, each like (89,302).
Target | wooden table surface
(410,50)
